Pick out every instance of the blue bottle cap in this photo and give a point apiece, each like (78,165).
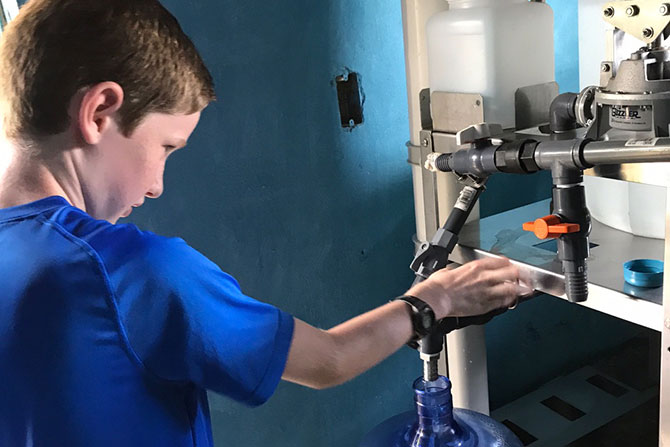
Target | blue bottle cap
(643,272)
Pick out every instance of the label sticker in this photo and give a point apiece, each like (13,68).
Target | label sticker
(642,143)
(631,117)
(466,198)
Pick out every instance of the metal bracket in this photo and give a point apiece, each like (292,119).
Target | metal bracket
(429,186)
(455,111)
(532,104)
(606,72)
(424,107)
(472,181)
(644,19)
(475,132)
(413,154)
(417,155)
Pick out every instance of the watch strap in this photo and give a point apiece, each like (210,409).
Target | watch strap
(422,315)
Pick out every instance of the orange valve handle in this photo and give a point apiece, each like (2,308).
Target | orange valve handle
(550,227)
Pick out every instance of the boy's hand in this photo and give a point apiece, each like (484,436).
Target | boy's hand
(321,359)
(475,288)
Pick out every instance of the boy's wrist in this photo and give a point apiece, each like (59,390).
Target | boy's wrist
(421,314)
(436,299)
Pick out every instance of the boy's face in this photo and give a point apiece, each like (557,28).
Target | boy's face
(129,169)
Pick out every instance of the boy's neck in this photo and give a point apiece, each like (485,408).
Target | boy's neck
(26,176)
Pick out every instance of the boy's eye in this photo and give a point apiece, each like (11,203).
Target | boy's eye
(169,148)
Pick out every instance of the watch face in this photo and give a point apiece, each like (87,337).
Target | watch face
(423,318)
(426,320)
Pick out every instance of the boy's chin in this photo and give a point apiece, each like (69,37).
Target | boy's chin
(123,215)
(115,219)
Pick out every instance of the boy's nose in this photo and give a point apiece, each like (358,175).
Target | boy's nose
(156,190)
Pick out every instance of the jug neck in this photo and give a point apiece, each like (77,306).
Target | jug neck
(434,405)
(465,4)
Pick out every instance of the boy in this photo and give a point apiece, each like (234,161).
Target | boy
(110,335)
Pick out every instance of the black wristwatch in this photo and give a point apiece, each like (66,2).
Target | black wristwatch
(423,317)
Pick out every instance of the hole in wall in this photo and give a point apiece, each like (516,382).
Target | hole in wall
(350,99)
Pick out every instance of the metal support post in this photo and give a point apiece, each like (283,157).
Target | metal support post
(415,14)
(466,351)
(664,426)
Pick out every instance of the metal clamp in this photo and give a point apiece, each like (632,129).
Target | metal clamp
(477,132)
(585,106)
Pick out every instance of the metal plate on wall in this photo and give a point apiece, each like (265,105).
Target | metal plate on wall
(455,111)
(532,104)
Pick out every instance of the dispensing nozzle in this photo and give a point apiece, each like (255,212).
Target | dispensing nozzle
(430,367)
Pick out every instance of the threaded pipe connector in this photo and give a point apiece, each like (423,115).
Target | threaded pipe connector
(576,287)
(437,162)
(442,163)
(430,370)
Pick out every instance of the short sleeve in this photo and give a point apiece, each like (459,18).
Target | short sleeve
(186,320)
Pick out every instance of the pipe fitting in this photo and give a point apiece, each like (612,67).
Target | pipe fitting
(436,162)
(585,106)
(562,117)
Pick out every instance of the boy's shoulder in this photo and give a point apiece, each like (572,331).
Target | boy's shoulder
(116,245)
(123,253)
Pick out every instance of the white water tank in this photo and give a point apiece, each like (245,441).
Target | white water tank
(638,209)
(491,47)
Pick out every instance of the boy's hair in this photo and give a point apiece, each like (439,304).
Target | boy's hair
(54,48)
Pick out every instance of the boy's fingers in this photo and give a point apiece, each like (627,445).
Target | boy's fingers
(502,270)
(492,263)
(524,288)
(510,291)
(506,294)
(521,294)
(525,277)
(507,273)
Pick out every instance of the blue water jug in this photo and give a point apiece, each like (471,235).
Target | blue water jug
(435,423)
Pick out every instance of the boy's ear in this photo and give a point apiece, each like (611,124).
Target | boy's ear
(97,110)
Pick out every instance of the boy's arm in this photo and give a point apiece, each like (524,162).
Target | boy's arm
(321,359)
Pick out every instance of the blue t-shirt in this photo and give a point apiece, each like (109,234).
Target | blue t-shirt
(109,336)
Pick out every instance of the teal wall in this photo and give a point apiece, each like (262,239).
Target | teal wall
(318,220)
(308,216)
